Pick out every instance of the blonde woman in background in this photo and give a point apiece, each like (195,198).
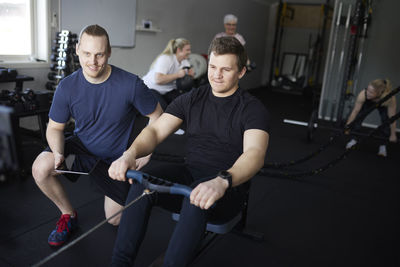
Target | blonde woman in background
(169,66)
(376,90)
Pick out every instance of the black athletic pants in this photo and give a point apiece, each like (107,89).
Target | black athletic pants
(190,229)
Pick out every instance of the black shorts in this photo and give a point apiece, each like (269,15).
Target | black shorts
(85,162)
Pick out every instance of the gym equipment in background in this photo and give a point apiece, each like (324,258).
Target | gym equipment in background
(65,61)
(7,74)
(294,69)
(25,103)
(342,67)
(199,65)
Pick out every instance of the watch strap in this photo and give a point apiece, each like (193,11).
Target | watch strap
(227,176)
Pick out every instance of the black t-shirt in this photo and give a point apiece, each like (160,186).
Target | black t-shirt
(215,125)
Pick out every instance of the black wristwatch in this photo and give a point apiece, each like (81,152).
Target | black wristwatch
(227,176)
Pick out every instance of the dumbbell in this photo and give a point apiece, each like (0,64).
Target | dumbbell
(7,74)
(63,33)
(56,57)
(3,74)
(66,33)
(51,86)
(29,98)
(12,73)
(63,48)
(55,76)
(61,63)
(53,57)
(15,96)
(59,66)
(62,40)
(15,100)
(57,45)
(59,41)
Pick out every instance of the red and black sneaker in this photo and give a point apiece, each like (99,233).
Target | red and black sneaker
(64,228)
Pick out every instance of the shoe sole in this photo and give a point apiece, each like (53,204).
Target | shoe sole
(51,244)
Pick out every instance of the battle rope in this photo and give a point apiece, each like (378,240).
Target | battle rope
(360,117)
(330,164)
(43,261)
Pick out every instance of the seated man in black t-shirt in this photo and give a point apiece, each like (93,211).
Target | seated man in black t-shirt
(227,131)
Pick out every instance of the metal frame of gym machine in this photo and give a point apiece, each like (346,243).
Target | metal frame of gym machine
(345,52)
(315,53)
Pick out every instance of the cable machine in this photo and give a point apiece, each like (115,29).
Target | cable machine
(297,68)
(345,52)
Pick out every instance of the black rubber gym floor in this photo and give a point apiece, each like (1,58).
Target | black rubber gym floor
(347,215)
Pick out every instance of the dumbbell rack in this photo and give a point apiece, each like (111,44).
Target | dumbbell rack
(63,57)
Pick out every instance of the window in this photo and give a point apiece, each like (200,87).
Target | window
(23,30)
(15,27)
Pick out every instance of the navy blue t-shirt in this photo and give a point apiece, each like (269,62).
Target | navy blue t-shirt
(104,113)
(215,125)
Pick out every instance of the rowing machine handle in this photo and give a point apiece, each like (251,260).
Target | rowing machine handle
(158,184)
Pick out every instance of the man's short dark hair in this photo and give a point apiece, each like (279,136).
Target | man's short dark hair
(96,30)
(229,45)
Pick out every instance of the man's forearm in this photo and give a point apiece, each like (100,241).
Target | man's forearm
(144,144)
(55,139)
(246,166)
(152,118)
